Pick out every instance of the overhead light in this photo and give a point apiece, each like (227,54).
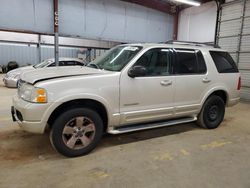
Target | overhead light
(189,2)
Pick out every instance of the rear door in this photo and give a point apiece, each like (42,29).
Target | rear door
(191,79)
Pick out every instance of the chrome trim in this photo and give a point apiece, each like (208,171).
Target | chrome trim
(120,130)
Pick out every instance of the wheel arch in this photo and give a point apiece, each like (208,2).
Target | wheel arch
(87,103)
(221,92)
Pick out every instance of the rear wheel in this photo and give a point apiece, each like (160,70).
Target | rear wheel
(212,113)
(76,132)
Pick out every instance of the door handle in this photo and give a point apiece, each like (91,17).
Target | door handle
(166,82)
(206,80)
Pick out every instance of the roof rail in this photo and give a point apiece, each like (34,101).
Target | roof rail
(191,43)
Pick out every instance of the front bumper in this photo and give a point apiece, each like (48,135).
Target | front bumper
(10,82)
(29,115)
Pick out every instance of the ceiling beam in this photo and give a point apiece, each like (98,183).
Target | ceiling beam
(162,6)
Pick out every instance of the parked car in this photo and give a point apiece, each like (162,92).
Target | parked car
(132,87)
(11,78)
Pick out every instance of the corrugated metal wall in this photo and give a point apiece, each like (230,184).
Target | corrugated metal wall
(21,53)
(95,19)
(198,23)
(109,20)
(234,36)
(25,54)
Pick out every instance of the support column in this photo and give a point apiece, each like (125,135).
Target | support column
(56,37)
(88,58)
(39,49)
(218,4)
(176,22)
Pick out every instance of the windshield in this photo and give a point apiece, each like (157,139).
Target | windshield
(42,64)
(116,58)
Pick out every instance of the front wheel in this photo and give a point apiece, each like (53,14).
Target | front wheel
(212,113)
(76,132)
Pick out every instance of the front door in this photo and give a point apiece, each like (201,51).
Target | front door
(149,97)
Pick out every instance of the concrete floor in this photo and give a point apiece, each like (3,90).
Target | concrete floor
(182,156)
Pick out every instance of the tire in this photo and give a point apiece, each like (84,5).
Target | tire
(76,132)
(212,113)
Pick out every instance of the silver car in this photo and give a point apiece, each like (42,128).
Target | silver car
(11,78)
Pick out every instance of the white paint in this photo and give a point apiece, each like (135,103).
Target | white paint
(198,23)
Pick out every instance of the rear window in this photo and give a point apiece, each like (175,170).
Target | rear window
(224,62)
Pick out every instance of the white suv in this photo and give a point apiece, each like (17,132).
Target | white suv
(131,87)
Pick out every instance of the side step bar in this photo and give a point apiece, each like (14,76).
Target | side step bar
(131,128)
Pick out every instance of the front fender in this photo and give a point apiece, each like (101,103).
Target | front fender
(68,98)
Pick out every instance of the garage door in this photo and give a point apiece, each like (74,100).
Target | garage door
(234,36)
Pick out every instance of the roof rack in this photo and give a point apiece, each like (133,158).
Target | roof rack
(192,43)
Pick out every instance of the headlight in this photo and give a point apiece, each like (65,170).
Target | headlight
(32,94)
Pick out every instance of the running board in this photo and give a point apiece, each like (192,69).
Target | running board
(131,128)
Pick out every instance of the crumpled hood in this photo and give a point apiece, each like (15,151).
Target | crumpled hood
(58,72)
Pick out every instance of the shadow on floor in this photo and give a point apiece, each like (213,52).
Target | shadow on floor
(21,146)
(113,140)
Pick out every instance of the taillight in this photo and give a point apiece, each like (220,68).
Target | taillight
(239,83)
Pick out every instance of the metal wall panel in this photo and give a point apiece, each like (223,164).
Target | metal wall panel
(48,52)
(245,93)
(229,43)
(25,54)
(235,21)
(230,28)
(244,61)
(245,43)
(246,25)
(245,78)
(114,20)
(197,23)
(22,54)
(34,15)
(247,8)
(6,36)
(231,11)
(93,19)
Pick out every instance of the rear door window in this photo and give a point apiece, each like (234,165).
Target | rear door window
(188,61)
(224,62)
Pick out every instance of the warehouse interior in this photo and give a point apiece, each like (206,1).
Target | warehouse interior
(184,155)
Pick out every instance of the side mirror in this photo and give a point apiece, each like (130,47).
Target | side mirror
(137,71)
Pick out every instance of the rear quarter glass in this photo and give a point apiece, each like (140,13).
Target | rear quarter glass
(223,62)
